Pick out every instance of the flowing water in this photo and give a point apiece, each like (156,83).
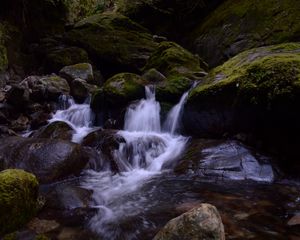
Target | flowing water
(145,194)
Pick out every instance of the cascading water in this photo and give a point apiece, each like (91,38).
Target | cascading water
(146,154)
(79,116)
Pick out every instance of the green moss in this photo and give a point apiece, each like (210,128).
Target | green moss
(124,87)
(3,51)
(236,26)
(264,77)
(114,39)
(18,196)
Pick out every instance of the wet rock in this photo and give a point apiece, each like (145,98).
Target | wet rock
(295,220)
(83,71)
(203,222)
(55,130)
(81,90)
(20,124)
(226,160)
(5,132)
(255,92)
(107,142)
(50,160)
(18,199)
(117,43)
(153,76)
(18,96)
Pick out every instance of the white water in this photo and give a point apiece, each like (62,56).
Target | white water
(146,153)
(79,116)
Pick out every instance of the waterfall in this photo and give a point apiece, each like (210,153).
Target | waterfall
(79,116)
(172,123)
(146,153)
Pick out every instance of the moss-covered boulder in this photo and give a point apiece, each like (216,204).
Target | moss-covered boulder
(114,41)
(58,57)
(18,199)
(236,26)
(179,66)
(83,71)
(258,92)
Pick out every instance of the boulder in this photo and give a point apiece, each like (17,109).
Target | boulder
(179,66)
(55,130)
(18,199)
(225,160)
(83,71)
(42,88)
(255,92)
(106,142)
(81,90)
(238,26)
(58,57)
(200,223)
(114,41)
(50,160)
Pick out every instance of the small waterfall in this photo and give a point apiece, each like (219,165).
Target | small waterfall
(145,115)
(172,123)
(146,153)
(79,116)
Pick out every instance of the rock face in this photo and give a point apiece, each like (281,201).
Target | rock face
(18,199)
(221,160)
(50,160)
(179,66)
(201,223)
(238,26)
(255,92)
(114,41)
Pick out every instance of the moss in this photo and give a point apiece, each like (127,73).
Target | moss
(124,87)
(263,77)
(18,196)
(113,39)
(236,26)
(3,51)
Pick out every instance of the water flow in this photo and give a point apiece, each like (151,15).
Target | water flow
(146,153)
(79,116)
(172,123)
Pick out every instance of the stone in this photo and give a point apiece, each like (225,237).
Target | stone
(18,199)
(83,71)
(295,220)
(201,223)
(41,226)
(49,159)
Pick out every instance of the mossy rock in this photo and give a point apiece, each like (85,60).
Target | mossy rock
(178,65)
(262,77)
(236,26)
(123,88)
(58,58)
(18,199)
(258,93)
(114,41)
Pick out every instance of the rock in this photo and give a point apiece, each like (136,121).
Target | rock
(111,101)
(153,76)
(18,199)
(235,27)
(20,124)
(295,220)
(18,96)
(203,222)
(81,90)
(55,130)
(59,57)
(107,142)
(44,88)
(223,160)
(116,42)
(50,160)
(179,66)
(3,53)
(41,226)
(255,92)
(83,71)
(5,132)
